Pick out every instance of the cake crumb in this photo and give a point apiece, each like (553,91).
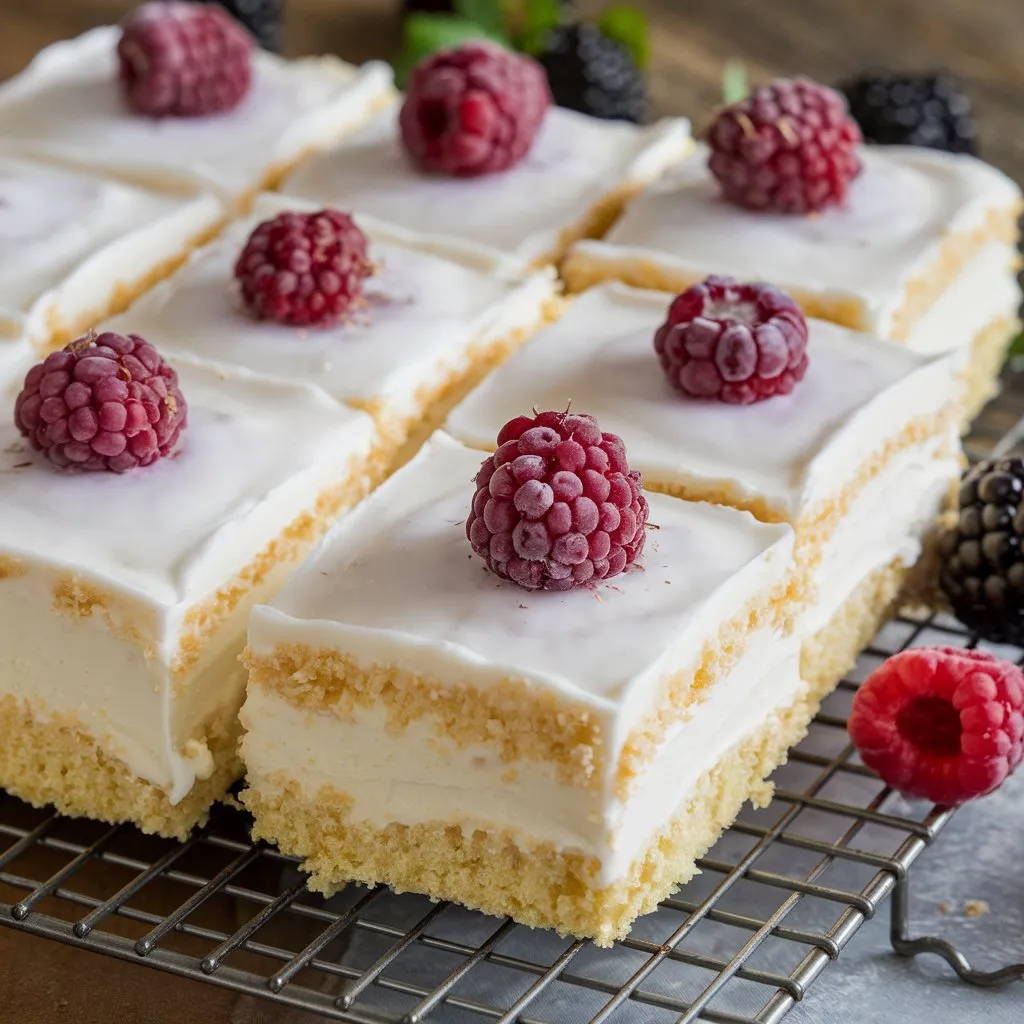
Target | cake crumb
(944,907)
(975,908)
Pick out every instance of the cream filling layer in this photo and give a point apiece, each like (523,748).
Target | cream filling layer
(888,520)
(417,777)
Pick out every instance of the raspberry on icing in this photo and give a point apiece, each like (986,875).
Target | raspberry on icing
(473,110)
(790,147)
(557,506)
(942,723)
(737,343)
(181,59)
(106,402)
(303,269)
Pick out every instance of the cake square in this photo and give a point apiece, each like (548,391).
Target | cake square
(124,598)
(75,247)
(572,184)
(436,315)
(66,105)
(857,458)
(607,735)
(919,228)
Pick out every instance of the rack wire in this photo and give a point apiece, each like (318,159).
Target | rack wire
(779,897)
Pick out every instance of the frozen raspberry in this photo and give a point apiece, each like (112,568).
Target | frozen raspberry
(181,59)
(473,110)
(303,269)
(790,146)
(106,402)
(737,343)
(557,505)
(942,723)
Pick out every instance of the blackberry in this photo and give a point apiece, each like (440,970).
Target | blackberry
(982,568)
(263,18)
(930,110)
(594,74)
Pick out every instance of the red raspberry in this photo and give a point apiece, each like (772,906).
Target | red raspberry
(557,505)
(739,343)
(473,110)
(303,269)
(102,403)
(942,723)
(181,59)
(790,146)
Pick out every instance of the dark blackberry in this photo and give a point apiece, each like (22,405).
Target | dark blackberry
(982,569)
(263,18)
(590,72)
(912,110)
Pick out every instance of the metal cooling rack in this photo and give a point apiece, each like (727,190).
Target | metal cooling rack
(779,897)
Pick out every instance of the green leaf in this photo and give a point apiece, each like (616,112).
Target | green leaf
(488,14)
(628,25)
(1017,347)
(734,82)
(424,34)
(532,21)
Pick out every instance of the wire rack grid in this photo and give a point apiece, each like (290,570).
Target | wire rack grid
(778,898)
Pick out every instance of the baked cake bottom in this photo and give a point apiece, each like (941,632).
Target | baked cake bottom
(984,360)
(540,886)
(54,760)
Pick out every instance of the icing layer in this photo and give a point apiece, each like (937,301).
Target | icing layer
(576,162)
(899,211)
(788,452)
(67,100)
(427,306)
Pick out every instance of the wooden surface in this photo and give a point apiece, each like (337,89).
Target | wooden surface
(981,40)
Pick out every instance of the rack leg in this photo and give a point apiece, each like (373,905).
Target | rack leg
(904,945)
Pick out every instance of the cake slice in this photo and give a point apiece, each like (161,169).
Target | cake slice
(75,247)
(124,596)
(573,183)
(923,252)
(432,317)
(67,106)
(562,757)
(857,458)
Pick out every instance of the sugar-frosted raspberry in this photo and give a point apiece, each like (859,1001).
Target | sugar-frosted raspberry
(473,110)
(303,269)
(106,402)
(557,505)
(180,59)
(790,146)
(737,343)
(942,723)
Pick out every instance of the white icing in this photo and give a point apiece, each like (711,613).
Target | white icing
(575,162)
(397,583)
(789,451)
(430,305)
(985,291)
(413,777)
(67,104)
(77,238)
(159,541)
(898,212)
(888,520)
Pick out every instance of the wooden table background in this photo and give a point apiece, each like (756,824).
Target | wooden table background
(982,41)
